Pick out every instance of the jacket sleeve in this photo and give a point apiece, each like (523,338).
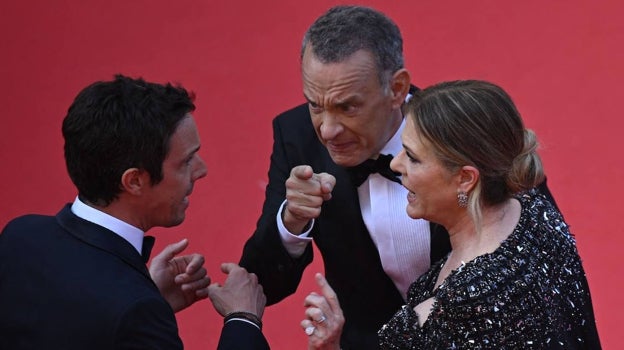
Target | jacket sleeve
(148,323)
(239,335)
(264,254)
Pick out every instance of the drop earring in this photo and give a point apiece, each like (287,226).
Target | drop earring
(462,199)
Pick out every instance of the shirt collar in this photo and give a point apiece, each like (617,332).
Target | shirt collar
(395,144)
(133,235)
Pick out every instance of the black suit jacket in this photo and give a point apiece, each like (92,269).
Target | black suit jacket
(353,267)
(66,283)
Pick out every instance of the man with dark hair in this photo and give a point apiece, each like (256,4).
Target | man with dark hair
(78,280)
(319,187)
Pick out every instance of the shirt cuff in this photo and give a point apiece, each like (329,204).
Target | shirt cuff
(295,244)
(243,320)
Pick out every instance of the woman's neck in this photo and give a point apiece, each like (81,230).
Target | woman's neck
(498,222)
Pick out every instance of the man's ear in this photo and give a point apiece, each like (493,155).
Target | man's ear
(400,85)
(468,178)
(134,180)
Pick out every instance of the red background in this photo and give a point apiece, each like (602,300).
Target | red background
(562,61)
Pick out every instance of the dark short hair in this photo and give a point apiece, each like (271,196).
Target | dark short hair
(344,30)
(116,125)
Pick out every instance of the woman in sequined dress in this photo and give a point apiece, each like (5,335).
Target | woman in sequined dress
(514,279)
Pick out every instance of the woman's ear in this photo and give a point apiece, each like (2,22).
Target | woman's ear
(468,178)
(133,181)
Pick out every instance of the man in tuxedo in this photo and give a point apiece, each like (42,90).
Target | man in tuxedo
(78,280)
(355,83)
(319,189)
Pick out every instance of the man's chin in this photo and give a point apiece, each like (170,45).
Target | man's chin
(344,160)
(179,219)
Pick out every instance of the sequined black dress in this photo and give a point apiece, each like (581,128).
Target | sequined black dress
(531,293)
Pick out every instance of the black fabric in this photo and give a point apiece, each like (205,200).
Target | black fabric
(381,165)
(240,335)
(367,295)
(352,263)
(77,270)
(67,283)
(531,292)
(148,244)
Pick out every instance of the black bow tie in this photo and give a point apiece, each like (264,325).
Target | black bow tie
(148,244)
(381,165)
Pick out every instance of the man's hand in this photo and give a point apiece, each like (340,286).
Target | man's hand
(305,193)
(241,292)
(182,280)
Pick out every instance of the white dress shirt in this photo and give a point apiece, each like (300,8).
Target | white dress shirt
(126,231)
(403,243)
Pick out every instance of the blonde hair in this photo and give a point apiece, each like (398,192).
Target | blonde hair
(471,122)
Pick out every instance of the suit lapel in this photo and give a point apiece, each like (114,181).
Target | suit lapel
(101,238)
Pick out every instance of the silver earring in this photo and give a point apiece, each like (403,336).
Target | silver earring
(462,199)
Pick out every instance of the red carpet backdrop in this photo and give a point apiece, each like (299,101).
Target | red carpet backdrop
(561,61)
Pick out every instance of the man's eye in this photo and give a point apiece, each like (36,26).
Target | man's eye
(347,108)
(314,107)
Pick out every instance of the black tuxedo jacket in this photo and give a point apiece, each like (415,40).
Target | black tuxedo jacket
(66,283)
(367,295)
(353,267)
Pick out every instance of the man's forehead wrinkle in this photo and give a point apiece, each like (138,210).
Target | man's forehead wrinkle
(341,93)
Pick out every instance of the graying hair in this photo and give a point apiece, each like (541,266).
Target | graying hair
(344,30)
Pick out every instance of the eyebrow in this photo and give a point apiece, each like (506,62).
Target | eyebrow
(349,100)
(192,152)
(195,150)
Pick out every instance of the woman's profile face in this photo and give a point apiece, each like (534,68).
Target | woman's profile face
(432,188)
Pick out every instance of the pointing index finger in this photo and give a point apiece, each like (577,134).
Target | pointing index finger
(303,172)
(328,292)
(327,182)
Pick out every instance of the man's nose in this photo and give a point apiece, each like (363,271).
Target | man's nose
(331,127)
(202,169)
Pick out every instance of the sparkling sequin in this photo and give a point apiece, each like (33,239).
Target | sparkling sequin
(531,293)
